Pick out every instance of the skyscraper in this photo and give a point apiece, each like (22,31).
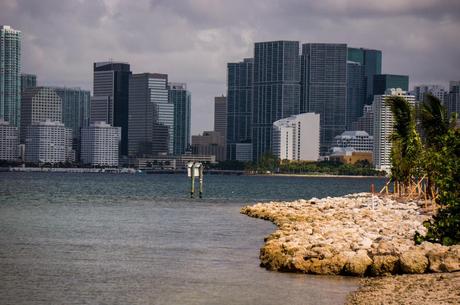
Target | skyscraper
(239,106)
(110,100)
(151,115)
(10,75)
(28,81)
(436,90)
(371,61)
(355,92)
(181,99)
(39,104)
(99,144)
(276,92)
(384,82)
(453,98)
(75,111)
(324,88)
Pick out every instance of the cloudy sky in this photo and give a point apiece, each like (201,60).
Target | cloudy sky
(192,40)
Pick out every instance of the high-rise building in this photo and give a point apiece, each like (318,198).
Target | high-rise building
(210,143)
(110,97)
(383,127)
(151,115)
(324,88)
(239,109)
(453,98)
(436,90)
(220,115)
(356,93)
(48,142)
(100,144)
(10,75)
(297,137)
(75,111)
(28,81)
(371,61)
(276,90)
(384,82)
(39,104)
(181,99)
(9,141)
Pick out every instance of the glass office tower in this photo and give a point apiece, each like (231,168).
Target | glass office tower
(181,99)
(276,90)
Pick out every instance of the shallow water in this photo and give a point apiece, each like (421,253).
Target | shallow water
(138,239)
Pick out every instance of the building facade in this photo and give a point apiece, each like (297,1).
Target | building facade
(453,98)
(28,81)
(359,140)
(151,115)
(100,144)
(75,111)
(384,82)
(220,115)
(239,107)
(39,104)
(239,152)
(9,141)
(324,88)
(356,93)
(383,127)
(366,121)
(436,90)
(110,97)
(48,142)
(297,137)
(10,75)
(182,100)
(276,90)
(209,143)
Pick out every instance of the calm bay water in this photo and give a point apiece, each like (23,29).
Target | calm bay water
(139,239)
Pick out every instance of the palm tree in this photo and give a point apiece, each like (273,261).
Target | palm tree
(406,144)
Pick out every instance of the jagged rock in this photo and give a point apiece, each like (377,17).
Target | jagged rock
(413,261)
(357,264)
(384,265)
(451,259)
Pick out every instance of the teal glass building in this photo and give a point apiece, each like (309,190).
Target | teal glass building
(387,81)
(10,75)
(182,101)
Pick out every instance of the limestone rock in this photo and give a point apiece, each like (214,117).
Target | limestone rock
(384,265)
(413,261)
(357,264)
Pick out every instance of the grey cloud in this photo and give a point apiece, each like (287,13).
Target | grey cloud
(192,40)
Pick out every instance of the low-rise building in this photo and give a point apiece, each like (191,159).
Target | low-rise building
(349,155)
(358,139)
(209,143)
(100,143)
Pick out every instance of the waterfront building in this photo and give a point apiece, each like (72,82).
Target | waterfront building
(384,82)
(276,93)
(151,115)
(48,142)
(220,115)
(349,155)
(383,127)
(366,121)
(39,104)
(110,97)
(453,98)
(209,143)
(9,141)
(100,144)
(170,162)
(28,81)
(239,109)
(324,88)
(297,137)
(359,140)
(10,75)
(181,98)
(75,111)
(436,90)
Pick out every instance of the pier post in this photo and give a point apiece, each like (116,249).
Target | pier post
(201,181)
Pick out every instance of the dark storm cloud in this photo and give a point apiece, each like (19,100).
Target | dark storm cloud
(192,40)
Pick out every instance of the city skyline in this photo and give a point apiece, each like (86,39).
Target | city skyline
(192,41)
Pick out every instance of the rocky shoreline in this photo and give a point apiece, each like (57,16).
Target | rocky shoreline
(358,235)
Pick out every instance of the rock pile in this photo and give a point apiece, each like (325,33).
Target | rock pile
(356,234)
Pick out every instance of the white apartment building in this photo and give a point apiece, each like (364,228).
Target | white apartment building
(358,139)
(9,141)
(48,142)
(436,90)
(100,144)
(383,127)
(297,137)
